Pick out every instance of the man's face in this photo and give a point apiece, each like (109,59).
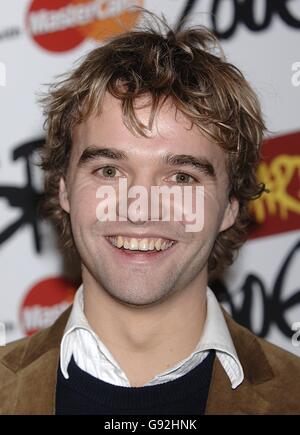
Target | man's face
(135,276)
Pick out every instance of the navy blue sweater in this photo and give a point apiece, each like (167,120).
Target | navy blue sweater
(84,394)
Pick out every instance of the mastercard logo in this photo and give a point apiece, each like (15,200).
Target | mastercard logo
(62,25)
(44,303)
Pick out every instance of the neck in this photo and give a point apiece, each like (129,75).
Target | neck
(147,340)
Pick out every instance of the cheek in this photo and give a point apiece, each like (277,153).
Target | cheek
(83,203)
(207,212)
(204,239)
(214,203)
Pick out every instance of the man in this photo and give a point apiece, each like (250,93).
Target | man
(150,108)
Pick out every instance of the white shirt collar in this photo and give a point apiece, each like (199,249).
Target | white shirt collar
(92,356)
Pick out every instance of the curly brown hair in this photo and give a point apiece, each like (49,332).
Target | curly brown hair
(155,60)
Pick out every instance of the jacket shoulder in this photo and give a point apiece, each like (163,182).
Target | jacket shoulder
(281,360)
(273,371)
(19,343)
(249,346)
(20,353)
(28,369)
(17,347)
(10,355)
(283,390)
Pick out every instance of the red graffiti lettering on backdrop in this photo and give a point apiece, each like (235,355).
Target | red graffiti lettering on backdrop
(279,210)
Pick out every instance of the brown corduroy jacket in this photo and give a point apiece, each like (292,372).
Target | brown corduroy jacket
(28,369)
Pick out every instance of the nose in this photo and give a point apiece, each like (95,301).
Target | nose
(138,199)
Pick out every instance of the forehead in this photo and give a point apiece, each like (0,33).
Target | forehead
(171,132)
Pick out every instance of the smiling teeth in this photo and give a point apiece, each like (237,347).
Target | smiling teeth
(134,244)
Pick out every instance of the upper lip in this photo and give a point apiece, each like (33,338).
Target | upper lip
(141,236)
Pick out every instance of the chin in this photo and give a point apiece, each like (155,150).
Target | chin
(135,298)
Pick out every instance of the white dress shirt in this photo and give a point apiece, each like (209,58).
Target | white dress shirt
(92,356)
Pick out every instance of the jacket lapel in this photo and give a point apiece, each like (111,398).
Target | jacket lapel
(245,399)
(223,400)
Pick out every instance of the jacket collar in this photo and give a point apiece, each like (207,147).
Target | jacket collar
(36,363)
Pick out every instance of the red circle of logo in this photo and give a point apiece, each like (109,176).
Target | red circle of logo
(61,25)
(44,303)
(52,24)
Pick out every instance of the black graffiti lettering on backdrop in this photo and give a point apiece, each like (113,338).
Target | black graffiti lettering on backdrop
(244,12)
(25,197)
(189,5)
(273,307)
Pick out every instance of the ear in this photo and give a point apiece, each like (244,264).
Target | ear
(230,214)
(63,195)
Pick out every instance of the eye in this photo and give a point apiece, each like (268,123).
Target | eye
(183,178)
(108,172)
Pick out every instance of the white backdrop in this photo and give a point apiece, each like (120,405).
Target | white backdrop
(42,38)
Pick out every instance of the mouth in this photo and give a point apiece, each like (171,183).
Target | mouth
(140,249)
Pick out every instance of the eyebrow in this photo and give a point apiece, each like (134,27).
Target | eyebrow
(201,164)
(94,153)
